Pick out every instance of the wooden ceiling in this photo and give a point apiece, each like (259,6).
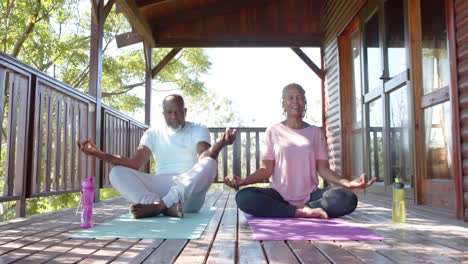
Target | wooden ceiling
(224,23)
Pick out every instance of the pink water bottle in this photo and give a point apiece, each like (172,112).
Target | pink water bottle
(87,199)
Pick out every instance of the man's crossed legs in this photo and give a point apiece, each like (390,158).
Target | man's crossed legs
(153,195)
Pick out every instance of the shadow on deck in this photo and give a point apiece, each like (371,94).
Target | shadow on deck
(428,237)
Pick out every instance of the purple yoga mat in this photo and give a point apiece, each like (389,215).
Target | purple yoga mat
(307,229)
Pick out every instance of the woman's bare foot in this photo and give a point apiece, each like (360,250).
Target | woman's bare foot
(147,210)
(175,211)
(307,212)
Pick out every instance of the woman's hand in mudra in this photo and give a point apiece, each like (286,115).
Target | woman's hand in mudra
(360,183)
(234,183)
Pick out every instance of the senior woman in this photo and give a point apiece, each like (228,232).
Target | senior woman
(292,153)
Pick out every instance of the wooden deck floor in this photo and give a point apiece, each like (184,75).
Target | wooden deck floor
(430,236)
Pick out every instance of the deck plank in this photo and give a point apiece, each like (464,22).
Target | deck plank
(249,250)
(306,252)
(138,252)
(279,252)
(404,237)
(425,238)
(197,250)
(366,253)
(109,252)
(224,247)
(81,251)
(335,253)
(167,252)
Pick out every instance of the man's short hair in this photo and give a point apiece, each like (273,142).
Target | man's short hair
(176,97)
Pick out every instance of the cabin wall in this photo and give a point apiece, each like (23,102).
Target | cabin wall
(337,14)
(461,36)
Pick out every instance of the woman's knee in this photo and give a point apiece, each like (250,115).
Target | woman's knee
(245,197)
(345,200)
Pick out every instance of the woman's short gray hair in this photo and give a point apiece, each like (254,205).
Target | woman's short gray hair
(292,85)
(285,91)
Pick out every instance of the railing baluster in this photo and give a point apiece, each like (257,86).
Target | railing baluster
(215,136)
(225,162)
(3,83)
(48,161)
(58,138)
(38,127)
(73,145)
(376,154)
(257,150)
(66,144)
(11,137)
(20,165)
(247,153)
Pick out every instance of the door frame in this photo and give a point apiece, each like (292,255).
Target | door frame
(421,102)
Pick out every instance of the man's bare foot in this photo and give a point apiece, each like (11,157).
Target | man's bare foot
(147,210)
(175,211)
(307,212)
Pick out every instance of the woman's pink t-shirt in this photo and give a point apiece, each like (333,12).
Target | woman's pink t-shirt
(295,152)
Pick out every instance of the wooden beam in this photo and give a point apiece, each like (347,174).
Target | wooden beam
(168,40)
(175,11)
(309,62)
(141,3)
(131,11)
(108,8)
(127,39)
(165,61)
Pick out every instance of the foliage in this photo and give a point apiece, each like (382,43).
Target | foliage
(54,38)
(109,193)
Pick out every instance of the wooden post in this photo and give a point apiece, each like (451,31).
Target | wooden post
(148,89)
(95,73)
(148,78)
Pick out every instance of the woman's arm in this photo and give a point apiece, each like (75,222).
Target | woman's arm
(329,175)
(139,158)
(264,172)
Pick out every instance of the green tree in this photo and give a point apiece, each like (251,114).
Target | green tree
(54,38)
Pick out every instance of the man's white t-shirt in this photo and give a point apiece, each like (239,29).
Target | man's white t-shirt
(175,152)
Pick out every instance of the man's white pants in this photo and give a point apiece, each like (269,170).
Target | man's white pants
(190,188)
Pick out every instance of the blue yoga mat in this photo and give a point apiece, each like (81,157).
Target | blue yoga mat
(189,227)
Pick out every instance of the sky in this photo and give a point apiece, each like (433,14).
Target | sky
(253,78)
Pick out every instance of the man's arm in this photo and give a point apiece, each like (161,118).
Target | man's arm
(139,158)
(329,175)
(204,149)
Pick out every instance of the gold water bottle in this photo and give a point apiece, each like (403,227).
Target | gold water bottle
(398,204)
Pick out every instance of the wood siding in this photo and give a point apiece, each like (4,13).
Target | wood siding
(461,29)
(333,126)
(337,15)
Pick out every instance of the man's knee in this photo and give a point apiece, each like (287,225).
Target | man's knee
(116,174)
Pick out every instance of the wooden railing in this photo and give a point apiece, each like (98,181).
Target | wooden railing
(121,136)
(242,157)
(42,119)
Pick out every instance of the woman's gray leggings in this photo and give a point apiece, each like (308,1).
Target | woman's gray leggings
(267,202)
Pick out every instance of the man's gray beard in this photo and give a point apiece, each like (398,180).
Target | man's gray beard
(172,130)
